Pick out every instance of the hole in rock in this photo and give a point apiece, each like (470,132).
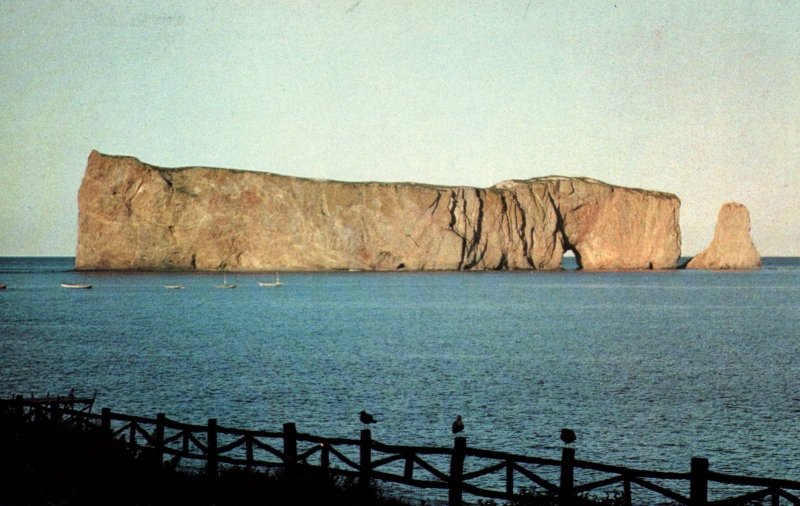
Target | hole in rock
(571,261)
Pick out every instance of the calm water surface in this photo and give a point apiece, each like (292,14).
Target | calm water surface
(649,368)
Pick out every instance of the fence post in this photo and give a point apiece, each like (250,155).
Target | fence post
(454,495)
(567,475)
(510,479)
(132,435)
(365,454)
(408,468)
(249,450)
(698,486)
(18,408)
(211,466)
(55,413)
(325,458)
(626,491)
(159,437)
(289,445)
(105,421)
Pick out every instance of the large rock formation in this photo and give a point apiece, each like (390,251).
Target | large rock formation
(136,216)
(732,246)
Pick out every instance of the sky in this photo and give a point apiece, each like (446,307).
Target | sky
(698,99)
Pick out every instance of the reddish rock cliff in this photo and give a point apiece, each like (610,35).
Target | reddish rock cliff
(732,246)
(137,216)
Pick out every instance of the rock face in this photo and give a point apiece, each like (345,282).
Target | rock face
(732,247)
(136,216)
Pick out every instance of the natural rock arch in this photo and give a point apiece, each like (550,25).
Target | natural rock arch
(138,216)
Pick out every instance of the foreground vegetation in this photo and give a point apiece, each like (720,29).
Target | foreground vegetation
(45,464)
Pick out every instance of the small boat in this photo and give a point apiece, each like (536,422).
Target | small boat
(174,287)
(75,285)
(277,282)
(2,286)
(225,283)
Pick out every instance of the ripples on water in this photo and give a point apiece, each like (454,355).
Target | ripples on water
(649,368)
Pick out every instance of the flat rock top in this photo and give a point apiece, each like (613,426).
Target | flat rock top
(138,216)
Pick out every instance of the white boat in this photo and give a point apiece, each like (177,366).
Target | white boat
(277,282)
(174,287)
(75,285)
(225,283)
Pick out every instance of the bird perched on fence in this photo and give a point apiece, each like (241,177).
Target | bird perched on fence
(366,418)
(458,425)
(568,436)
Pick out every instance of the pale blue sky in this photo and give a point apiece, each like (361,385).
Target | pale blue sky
(700,99)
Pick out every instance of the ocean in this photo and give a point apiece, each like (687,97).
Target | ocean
(648,368)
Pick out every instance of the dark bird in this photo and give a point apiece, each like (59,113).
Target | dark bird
(366,418)
(458,425)
(568,436)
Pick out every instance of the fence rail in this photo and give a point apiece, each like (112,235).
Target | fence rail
(425,467)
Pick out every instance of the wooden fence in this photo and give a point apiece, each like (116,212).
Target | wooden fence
(490,474)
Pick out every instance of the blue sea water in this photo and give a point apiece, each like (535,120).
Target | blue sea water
(649,368)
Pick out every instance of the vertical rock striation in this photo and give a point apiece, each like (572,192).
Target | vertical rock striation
(732,246)
(137,216)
